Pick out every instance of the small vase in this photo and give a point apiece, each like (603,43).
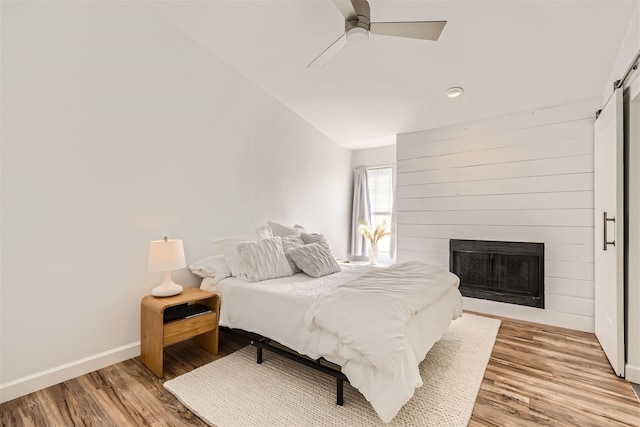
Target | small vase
(373,253)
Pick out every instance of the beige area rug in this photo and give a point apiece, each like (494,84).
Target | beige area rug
(235,391)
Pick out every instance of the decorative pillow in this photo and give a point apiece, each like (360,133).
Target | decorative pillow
(284,230)
(264,232)
(212,266)
(289,242)
(220,244)
(263,259)
(314,259)
(309,238)
(234,261)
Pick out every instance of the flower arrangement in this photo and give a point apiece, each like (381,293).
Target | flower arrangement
(378,232)
(373,236)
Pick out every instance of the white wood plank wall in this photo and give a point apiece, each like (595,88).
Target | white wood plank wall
(523,177)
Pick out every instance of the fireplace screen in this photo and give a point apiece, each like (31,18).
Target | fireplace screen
(510,272)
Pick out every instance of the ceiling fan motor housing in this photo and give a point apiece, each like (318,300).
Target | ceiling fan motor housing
(361,18)
(357,27)
(356,23)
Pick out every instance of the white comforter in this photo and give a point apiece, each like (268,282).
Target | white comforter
(377,326)
(384,301)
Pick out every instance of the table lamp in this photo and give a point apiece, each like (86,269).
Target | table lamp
(166,255)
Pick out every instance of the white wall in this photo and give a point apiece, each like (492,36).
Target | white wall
(118,129)
(521,177)
(380,156)
(627,52)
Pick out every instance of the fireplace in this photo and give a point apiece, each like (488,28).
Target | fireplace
(511,272)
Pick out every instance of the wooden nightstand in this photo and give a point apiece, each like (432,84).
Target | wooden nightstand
(155,334)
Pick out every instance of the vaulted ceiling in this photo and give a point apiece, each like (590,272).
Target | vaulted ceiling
(509,56)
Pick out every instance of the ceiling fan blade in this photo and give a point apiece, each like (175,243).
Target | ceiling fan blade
(426,30)
(322,59)
(346,8)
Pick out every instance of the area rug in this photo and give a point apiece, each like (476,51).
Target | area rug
(235,391)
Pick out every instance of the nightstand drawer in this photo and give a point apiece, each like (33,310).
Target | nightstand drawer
(180,330)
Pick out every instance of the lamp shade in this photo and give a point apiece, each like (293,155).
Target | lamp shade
(166,255)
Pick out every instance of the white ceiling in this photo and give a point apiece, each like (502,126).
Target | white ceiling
(509,55)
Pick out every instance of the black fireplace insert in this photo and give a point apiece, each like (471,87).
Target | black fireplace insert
(511,272)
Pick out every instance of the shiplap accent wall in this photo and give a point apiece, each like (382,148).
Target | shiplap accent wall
(523,177)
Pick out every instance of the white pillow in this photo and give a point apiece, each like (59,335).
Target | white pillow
(309,238)
(314,259)
(263,259)
(221,243)
(264,232)
(234,261)
(212,266)
(225,246)
(289,242)
(284,230)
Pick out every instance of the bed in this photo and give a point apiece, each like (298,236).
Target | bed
(377,324)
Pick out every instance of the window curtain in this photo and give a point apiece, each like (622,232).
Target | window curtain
(361,210)
(394,216)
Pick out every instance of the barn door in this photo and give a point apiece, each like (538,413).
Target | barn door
(609,231)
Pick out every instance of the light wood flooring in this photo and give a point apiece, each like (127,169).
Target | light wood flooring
(541,375)
(537,376)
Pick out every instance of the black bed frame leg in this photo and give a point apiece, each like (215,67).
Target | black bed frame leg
(264,344)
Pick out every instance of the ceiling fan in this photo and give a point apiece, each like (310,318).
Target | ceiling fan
(357,26)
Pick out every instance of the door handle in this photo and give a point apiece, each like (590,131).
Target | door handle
(605,241)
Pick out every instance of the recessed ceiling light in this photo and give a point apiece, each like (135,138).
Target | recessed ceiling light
(454,92)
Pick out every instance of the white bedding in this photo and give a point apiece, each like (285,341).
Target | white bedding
(285,310)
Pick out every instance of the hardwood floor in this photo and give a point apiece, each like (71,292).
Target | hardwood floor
(541,375)
(538,375)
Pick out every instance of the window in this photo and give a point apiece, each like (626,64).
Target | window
(381,198)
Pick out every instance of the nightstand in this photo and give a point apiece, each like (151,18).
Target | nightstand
(155,334)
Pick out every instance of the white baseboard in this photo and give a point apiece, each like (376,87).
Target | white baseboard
(530,314)
(632,373)
(38,381)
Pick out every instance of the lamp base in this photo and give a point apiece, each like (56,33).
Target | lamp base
(167,288)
